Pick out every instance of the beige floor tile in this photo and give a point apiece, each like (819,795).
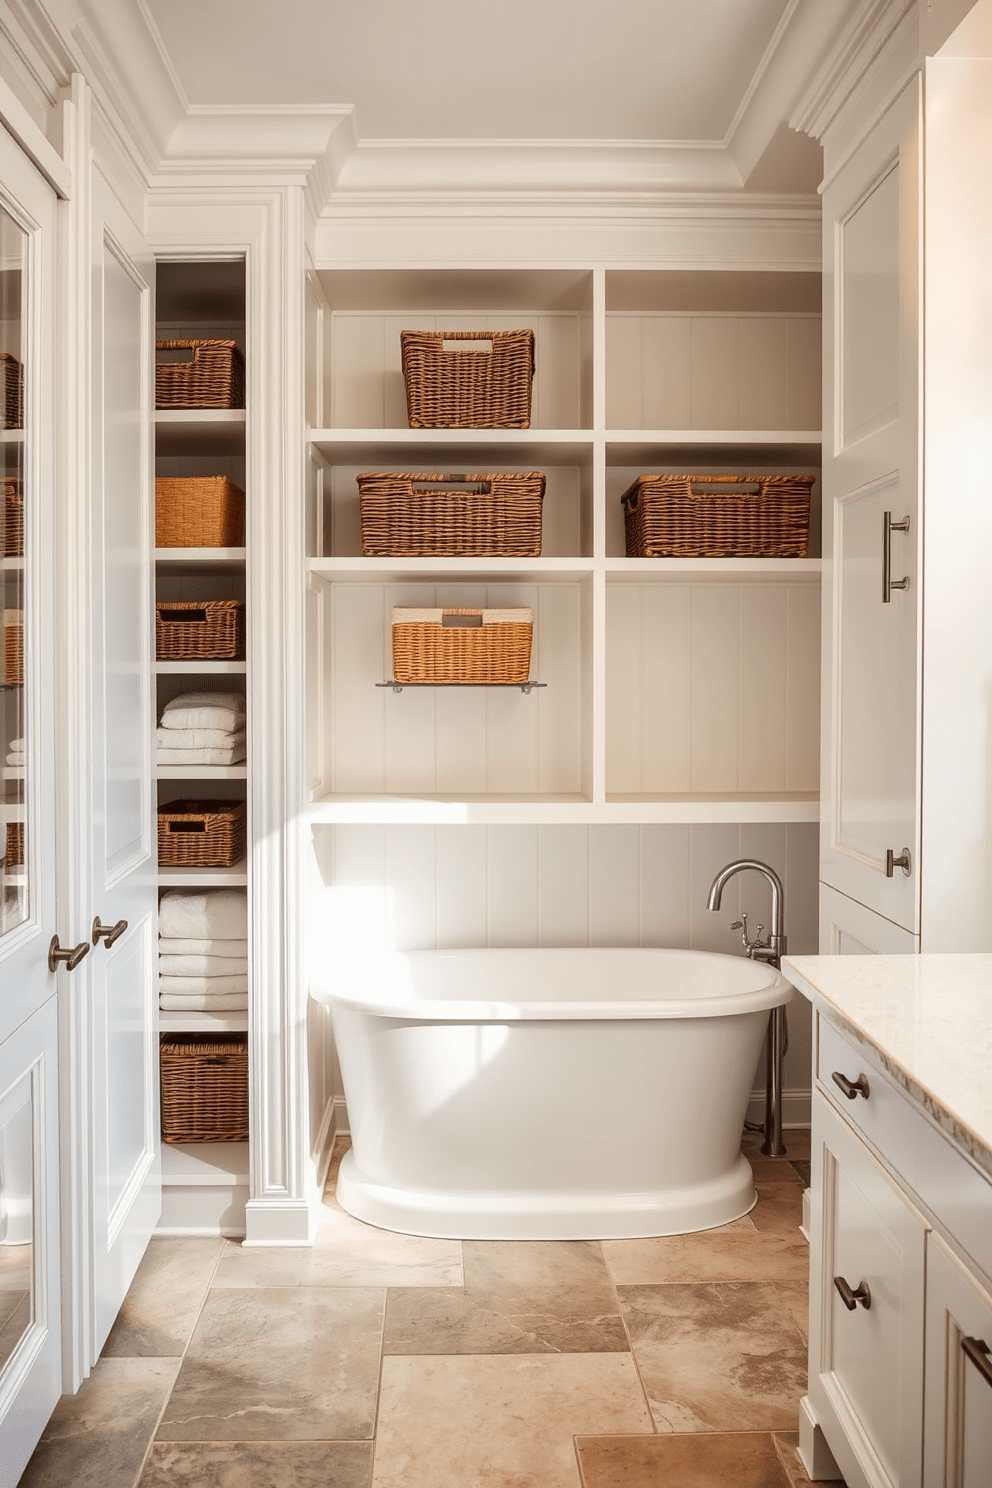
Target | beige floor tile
(717,1357)
(520,1297)
(261,1266)
(709,1460)
(164,1299)
(98,1437)
(279,1363)
(774,1170)
(258,1465)
(787,1446)
(452,1423)
(712,1255)
(347,1252)
(779,1207)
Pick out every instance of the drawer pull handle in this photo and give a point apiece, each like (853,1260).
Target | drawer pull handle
(851,1088)
(851,1298)
(977,1351)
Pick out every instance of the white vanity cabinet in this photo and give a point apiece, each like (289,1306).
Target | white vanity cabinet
(900,1389)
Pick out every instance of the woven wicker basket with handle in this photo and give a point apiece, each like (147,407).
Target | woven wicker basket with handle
(406,515)
(210,629)
(13,513)
(201,834)
(451,384)
(717,516)
(199,374)
(204,1087)
(12,372)
(462,646)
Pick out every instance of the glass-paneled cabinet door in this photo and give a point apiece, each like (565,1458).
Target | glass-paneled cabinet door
(29,713)
(30,1303)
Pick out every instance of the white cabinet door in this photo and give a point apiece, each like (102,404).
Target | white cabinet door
(30,1327)
(870,747)
(866,1352)
(847,928)
(124,1191)
(957,1425)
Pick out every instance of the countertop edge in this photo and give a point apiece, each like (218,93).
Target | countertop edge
(940,1113)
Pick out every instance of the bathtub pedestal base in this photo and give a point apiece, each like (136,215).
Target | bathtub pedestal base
(471,1215)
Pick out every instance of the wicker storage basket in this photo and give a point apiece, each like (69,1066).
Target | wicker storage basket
(199,511)
(199,374)
(466,646)
(201,834)
(488,388)
(14,847)
(13,647)
(210,629)
(13,519)
(717,516)
(204,1087)
(13,391)
(451,515)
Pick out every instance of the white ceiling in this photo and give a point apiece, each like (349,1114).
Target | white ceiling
(455,69)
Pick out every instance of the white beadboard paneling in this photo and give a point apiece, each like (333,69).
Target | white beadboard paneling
(716,372)
(664,885)
(805,373)
(356,710)
(358,908)
(764,374)
(557,659)
(668,688)
(624,372)
(511,886)
(764,699)
(394,387)
(356,372)
(667,395)
(624,691)
(716,675)
(563,886)
(614,884)
(802,685)
(802,902)
(411,874)
(462,909)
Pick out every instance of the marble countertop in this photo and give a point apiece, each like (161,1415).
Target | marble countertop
(929,1021)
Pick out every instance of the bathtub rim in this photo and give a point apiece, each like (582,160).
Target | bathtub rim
(775,991)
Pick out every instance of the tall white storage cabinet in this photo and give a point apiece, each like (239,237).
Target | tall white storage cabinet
(908,372)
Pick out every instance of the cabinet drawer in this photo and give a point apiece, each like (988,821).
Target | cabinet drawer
(866,1353)
(956,1194)
(957,1411)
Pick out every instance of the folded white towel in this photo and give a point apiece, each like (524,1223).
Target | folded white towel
(176,945)
(16,758)
(206,966)
(176,738)
(230,1003)
(17,745)
(230,756)
(199,986)
(205,710)
(204,914)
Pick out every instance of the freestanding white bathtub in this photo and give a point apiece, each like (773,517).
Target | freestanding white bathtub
(548,1094)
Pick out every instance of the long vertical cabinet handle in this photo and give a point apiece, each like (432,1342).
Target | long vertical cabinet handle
(888,582)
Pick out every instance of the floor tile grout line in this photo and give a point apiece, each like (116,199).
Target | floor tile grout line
(630,1344)
(182,1358)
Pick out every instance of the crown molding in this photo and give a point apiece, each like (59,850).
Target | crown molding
(858,46)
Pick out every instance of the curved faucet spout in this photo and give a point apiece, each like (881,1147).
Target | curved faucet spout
(776,942)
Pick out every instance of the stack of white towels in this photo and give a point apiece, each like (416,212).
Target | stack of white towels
(15,754)
(203,728)
(203,950)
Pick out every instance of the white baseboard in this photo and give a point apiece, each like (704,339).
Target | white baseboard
(201,1209)
(281,1221)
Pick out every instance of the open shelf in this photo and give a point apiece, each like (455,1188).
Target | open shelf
(201,668)
(201,772)
(204,878)
(201,1022)
(570,810)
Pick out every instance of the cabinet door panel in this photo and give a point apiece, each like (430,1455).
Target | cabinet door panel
(871,646)
(958,1402)
(866,1362)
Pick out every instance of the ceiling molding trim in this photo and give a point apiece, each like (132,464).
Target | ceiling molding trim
(18,122)
(400,169)
(858,46)
(37,49)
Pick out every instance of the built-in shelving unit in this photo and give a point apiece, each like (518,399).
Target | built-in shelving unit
(679,690)
(205,1185)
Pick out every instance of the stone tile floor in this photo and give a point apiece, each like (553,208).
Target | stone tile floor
(376,1360)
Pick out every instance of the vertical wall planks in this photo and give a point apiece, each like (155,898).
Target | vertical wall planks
(665,374)
(764,703)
